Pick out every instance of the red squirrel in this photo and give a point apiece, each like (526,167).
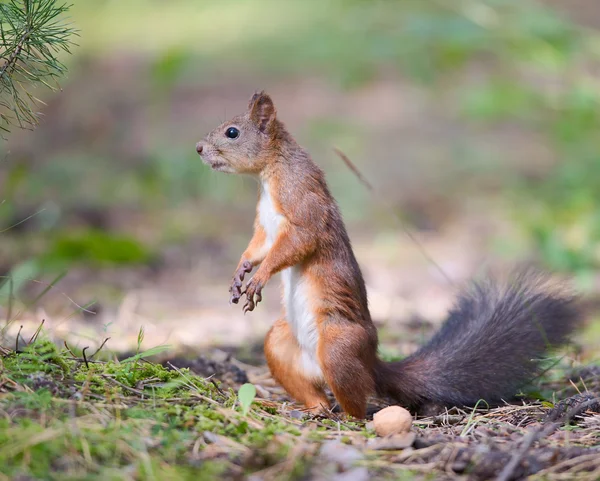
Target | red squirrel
(486,349)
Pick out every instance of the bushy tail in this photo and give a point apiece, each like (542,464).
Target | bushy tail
(489,346)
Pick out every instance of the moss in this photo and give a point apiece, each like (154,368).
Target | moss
(164,433)
(41,356)
(316,435)
(93,448)
(268,409)
(107,420)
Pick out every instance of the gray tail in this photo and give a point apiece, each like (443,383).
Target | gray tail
(490,345)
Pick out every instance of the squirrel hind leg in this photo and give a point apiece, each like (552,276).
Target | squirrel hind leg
(284,358)
(345,356)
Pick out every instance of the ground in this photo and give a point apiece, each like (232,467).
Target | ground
(68,414)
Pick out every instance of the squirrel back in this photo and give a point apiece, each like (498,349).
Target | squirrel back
(490,345)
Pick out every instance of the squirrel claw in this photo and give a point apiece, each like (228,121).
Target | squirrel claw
(249,306)
(253,288)
(236,284)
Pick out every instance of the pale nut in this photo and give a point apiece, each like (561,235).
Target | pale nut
(392,420)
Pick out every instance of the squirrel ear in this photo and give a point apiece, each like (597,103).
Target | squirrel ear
(262,110)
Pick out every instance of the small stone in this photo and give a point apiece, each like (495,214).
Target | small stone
(341,454)
(392,420)
(295,414)
(262,392)
(210,438)
(355,474)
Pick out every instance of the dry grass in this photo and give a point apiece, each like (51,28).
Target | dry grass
(64,416)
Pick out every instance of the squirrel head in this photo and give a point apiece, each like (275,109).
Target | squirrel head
(244,144)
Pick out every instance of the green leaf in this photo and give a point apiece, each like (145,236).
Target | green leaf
(149,352)
(246,395)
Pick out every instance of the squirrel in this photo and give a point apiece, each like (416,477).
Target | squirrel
(486,349)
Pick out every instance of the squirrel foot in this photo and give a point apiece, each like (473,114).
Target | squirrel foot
(236,284)
(254,287)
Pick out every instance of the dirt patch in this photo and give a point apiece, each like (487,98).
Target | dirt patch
(224,371)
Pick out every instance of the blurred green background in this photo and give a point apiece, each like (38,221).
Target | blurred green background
(476,120)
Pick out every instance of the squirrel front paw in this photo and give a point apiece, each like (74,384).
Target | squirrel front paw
(236,284)
(253,288)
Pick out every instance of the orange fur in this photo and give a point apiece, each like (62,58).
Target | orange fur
(311,238)
(255,252)
(283,357)
(347,361)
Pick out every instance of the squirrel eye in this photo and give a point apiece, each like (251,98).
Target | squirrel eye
(232,133)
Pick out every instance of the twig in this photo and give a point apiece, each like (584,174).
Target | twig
(101,346)
(363,180)
(78,359)
(81,308)
(22,221)
(552,424)
(214,383)
(191,385)
(570,463)
(84,357)
(124,386)
(17,339)
(69,349)
(12,60)
(37,332)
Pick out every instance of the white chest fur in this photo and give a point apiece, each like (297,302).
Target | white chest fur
(299,313)
(270,219)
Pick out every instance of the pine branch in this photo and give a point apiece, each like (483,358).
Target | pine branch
(12,60)
(32,33)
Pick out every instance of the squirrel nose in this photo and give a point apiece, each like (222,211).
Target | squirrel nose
(199,147)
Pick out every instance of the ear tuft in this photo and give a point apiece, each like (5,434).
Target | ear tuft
(254,98)
(262,110)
